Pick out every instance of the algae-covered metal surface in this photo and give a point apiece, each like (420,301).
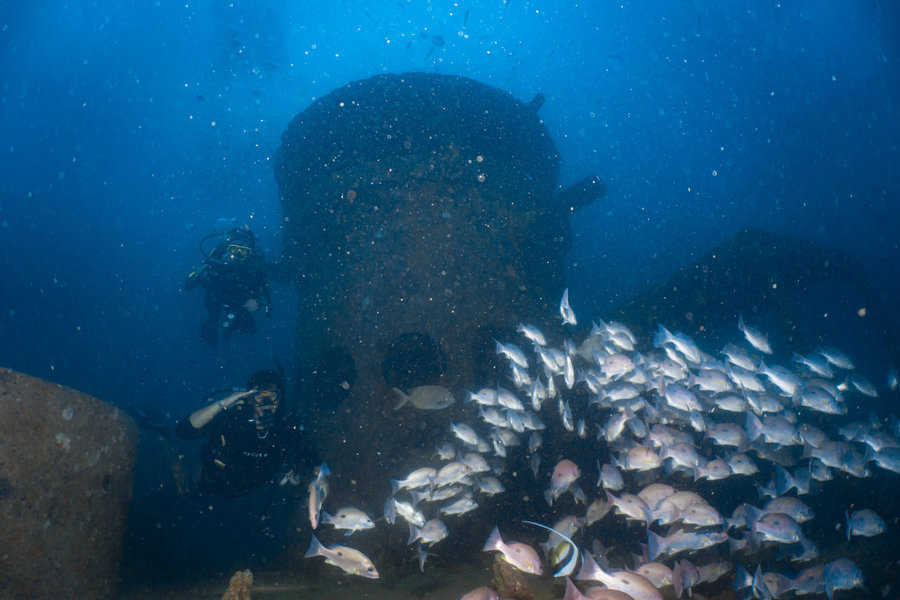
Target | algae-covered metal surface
(423,220)
(66,463)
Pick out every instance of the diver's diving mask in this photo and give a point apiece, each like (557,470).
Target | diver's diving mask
(264,407)
(237,252)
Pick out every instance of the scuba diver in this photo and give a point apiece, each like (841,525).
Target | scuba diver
(249,440)
(233,275)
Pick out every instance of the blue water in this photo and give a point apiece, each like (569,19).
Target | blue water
(127,129)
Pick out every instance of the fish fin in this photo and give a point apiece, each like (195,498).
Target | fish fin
(847,516)
(802,479)
(699,471)
(869,454)
(572,592)
(395,485)
(661,336)
(677,580)
(324,471)
(753,514)
(655,545)
(403,398)
(548,497)
(668,466)
(829,589)
(413,534)
(423,556)
(390,511)
(315,548)
(753,427)
(578,493)
(589,567)
(494,541)
(742,578)
(326,518)
(783,481)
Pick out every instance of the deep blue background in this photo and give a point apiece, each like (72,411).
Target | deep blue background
(128,128)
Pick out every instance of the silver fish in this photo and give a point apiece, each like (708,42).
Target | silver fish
(426,397)
(454,472)
(407,511)
(430,533)
(781,378)
(756,338)
(349,560)
(568,315)
(633,584)
(841,574)
(837,358)
(489,485)
(521,556)
(459,507)
(655,493)
(532,334)
(638,458)
(815,364)
(465,433)
(445,451)
(349,519)
(678,396)
(565,413)
(513,353)
(777,527)
(682,541)
(417,479)
(739,357)
(682,343)
(629,505)
(598,509)
(318,490)
(610,478)
(865,522)
(507,399)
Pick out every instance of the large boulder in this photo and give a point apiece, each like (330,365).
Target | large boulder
(66,462)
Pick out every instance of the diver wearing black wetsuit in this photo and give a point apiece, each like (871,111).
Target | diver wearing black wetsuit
(248,438)
(233,275)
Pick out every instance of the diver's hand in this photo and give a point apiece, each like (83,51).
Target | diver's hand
(235,399)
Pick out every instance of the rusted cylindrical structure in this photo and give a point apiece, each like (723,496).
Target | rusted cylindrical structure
(422,220)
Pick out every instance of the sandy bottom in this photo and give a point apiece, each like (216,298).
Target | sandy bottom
(435,584)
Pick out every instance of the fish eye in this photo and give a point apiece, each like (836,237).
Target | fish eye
(340,553)
(370,569)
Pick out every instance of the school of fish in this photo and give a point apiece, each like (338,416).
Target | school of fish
(662,417)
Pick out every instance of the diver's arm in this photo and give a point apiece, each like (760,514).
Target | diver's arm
(198,276)
(199,418)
